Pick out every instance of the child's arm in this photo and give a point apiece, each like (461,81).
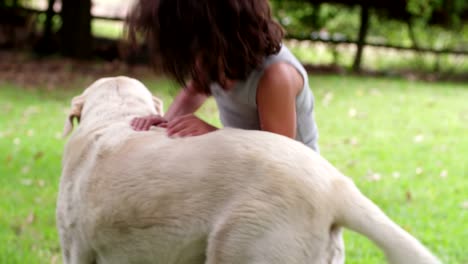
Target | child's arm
(276,99)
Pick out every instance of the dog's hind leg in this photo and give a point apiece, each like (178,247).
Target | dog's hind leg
(257,239)
(336,246)
(80,254)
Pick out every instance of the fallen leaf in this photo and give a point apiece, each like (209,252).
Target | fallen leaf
(32,110)
(419,171)
(31,218)
(25,170)
(351,141)
(418,138)
(30,133)
(431,102)
(26,182)
(6,133)
(352,112)
(17,229)
(55,259)
(409,196)
(351,163)
(444,173)
(373,176)
(464,205)
(464,116)
(8,159)
(6,108)
(38,155)
(375,92)
(443,148)
(327,98)
(41,183)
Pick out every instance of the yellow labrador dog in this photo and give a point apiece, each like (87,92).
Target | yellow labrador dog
(227,197)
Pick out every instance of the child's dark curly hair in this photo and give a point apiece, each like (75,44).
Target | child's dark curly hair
(205,40)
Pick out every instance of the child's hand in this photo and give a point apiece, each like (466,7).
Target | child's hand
(144,123)
(188,125)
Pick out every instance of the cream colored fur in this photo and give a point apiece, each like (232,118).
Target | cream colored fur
(227,197)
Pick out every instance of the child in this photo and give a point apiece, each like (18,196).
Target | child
(231,50)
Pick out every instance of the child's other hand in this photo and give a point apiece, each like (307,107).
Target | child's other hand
(188,125)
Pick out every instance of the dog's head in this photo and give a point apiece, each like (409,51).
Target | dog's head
(104,89)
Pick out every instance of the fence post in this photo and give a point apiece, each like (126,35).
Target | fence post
(361,42)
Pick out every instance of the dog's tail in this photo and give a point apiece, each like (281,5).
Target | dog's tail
(358,213)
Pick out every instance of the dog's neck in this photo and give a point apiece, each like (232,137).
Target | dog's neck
(105,115)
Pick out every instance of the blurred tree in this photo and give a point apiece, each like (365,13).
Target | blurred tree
(302,17)
(46,44)
(13,20)
(361,41)
(48,20)
(75,32)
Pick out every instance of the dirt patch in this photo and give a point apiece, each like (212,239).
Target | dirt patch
(50,73)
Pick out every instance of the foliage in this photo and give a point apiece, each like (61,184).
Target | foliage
(422,8)
(300,18)
(56,22)
(436,37)
(382,60)
(13,3)
(443,12)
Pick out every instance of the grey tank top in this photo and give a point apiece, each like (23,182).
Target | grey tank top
(238,106)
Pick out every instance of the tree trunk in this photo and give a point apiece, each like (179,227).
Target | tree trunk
(75,33)
(46,44)
(315,16)
(362,37)
(412,35)
(48,21)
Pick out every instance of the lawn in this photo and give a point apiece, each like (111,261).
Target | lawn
(404,143)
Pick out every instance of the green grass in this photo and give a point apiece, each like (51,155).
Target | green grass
(404,143)
(107,29)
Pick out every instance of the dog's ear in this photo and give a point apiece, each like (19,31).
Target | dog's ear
(75,113)
(158,104)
